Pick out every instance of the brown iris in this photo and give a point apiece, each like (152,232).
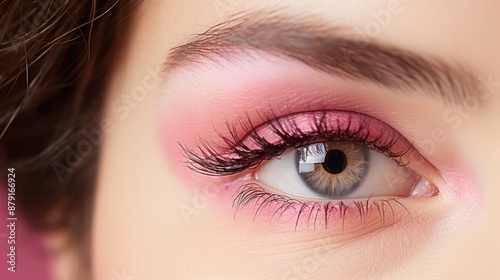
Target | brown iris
(333,168)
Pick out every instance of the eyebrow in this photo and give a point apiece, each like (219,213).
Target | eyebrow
(327,48)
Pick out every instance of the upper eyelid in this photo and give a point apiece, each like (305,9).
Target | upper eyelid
(239,155)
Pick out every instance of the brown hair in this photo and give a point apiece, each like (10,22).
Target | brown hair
(55,58)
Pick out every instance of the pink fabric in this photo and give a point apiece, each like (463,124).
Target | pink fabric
(32,257)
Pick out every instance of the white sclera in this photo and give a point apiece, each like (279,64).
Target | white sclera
(383,177)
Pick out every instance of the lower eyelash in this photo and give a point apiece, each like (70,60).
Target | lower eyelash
(313,212)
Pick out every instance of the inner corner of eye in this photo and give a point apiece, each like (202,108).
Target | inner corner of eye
(340,170)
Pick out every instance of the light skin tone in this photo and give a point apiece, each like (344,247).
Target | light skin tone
(156,219)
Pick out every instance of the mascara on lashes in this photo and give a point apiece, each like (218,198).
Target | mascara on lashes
(277,134)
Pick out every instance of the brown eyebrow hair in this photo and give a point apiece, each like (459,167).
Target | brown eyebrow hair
(321,46)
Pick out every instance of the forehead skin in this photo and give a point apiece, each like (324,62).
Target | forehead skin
(138,230)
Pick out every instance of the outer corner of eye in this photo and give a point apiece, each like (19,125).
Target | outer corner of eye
(424,188)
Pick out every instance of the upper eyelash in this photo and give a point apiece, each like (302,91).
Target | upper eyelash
(236,157)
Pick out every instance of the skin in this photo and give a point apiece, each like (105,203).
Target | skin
(140,232)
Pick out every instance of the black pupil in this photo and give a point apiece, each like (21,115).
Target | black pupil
(335,162)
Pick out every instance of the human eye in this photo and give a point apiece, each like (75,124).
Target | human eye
(333,164)
(353,161)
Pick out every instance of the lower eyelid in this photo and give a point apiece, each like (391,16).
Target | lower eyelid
(252,200)
(339,227)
